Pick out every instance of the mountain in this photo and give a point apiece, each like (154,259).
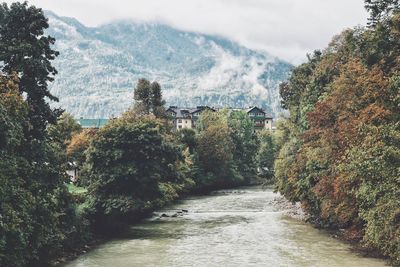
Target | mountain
(99,67)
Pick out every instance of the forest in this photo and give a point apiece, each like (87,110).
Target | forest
(340,153)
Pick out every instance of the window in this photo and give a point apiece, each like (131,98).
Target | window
(186,121)
(180,126)
(180,121)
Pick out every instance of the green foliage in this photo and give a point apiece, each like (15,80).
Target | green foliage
(148,99)
(375,163)
(26,50)
(266,154)
(127,160)
(60,135)
(245,143)
(62,132)
(340,147)
(38,219)
(187,137)
(216,151)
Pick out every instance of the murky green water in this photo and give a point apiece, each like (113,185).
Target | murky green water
(229,228)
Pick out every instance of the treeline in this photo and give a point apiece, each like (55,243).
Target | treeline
(136,163)
(139,162)
(341,151)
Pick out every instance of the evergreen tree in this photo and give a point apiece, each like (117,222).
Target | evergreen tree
(148,99)
(143,97)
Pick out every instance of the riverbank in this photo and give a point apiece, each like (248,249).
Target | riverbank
(290,209)
(295,211)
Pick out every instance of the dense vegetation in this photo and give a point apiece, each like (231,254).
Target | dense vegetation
(126,169)
(340,152)
(138,162)
(37,214)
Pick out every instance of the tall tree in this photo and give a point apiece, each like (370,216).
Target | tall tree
(148,99)
(157,102)
(142,97)
(25,49)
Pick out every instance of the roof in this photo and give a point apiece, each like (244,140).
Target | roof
(258,110)
(92,123)
(255,109)
(187,112)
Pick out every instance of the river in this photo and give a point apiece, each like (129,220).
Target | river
(238,227)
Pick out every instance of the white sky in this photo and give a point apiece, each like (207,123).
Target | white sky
(285,28)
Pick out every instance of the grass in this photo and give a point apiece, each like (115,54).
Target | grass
(73,189)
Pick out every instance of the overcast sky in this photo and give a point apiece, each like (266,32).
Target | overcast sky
(285,28)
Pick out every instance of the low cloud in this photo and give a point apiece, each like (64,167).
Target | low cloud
(287,29)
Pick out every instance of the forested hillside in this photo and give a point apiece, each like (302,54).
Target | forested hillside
(98,67)
(341,151)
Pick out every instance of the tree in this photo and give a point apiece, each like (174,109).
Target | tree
(37,215)
(38,218)
(62,132)
(340,151)
(245,143)
(12,114)
(266,154)
(157,102)
(26,50)
(78,144)
(187,137)
(380,9)
(148,99)
(142,97)
(215,149)
(126,161)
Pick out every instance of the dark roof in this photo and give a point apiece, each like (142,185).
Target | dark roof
(187,112)
(257,109)
(92,123)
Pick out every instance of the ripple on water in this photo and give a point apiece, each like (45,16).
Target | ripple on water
(228,228)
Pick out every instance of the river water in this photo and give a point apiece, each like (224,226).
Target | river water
(238,227)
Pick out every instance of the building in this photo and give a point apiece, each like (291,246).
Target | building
(260,118)
(72,171)
(92,123)
(187,117)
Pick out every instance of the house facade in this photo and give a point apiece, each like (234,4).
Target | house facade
(187,117)
(260,118)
